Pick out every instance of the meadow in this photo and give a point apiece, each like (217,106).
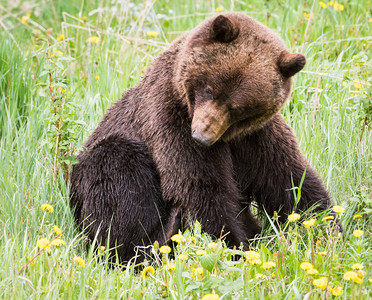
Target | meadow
(64,63)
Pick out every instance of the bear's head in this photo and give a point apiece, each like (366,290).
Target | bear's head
(234,75)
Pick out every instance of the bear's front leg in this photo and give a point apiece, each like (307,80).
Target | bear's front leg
(267,161)
(200,180)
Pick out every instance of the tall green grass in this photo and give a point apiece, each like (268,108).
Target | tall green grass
(44,80)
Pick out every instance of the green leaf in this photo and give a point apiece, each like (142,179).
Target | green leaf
(208,261)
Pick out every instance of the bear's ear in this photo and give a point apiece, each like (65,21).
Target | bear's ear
(289,64)
(224,29)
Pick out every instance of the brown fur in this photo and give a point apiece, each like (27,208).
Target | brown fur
(202,135)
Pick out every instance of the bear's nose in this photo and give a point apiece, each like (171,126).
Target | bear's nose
(200,139)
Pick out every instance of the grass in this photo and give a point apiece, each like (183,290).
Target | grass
(54,91)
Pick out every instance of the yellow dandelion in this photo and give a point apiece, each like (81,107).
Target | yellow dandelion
(293,217)
(43,243)
(309,223)
(357,266)
(169,267)
(201,252)
(307,15)
(251,255)
(337,291)
(370,280)
(183,257)
(25,18)
(210,297)
(47,207)
(330,3)
(165,249)
(79,261)
(260,276)
(312,271)
(178,238)
(358,233)
(318,242)
(322,4)
(57,230)
(322,253)
(306,266)
(85,18)
(357,217)
(328,218)
(152,33)
(212,245)
(192,239)
(338,6)
(60,37)
(256,261)
(361,273)
(96,77)
(344,83)
(268,265)
(102,248)
(350,275)
(146,271)
(197,273)
(58,242)
(219,9)
(93,39)
(370,20)
(358,85)
(321,282)
(58,53)
(338,209)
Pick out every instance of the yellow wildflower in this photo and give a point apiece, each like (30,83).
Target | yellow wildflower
(256,261)
(338,6)
(357,266)
(211,297)
(57,230)
(323,253)
(219,9)
(306,266)
(183,257)
(212,245)
(318,242)
(60,37)
(370,280)
(165,249)
(93,39)
(361,273)
(169,267)
(178,238)
(322,4)
(25,18)
(338,209)
(358,233)
(312,271)
(152,33)
(192,239)
(293,217)
(260,276)
(309,223)
(201,252)
(58,242)
(197,273)
(330,3)
(146,271)
(47,207)
(96,77)
(337,291)
(250,255)
(351,275)
(321,282)
(102,248)
(79,261)
(307,15)
(58,53)
(370,20)
(268,265)
(43,243)
(328,218)
(357,217)
(344,83)
(358,85)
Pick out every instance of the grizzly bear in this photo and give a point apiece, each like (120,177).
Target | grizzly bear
(199,138)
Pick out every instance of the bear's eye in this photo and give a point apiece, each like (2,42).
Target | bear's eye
(209,93)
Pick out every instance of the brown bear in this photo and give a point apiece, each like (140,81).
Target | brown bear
(199,138)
